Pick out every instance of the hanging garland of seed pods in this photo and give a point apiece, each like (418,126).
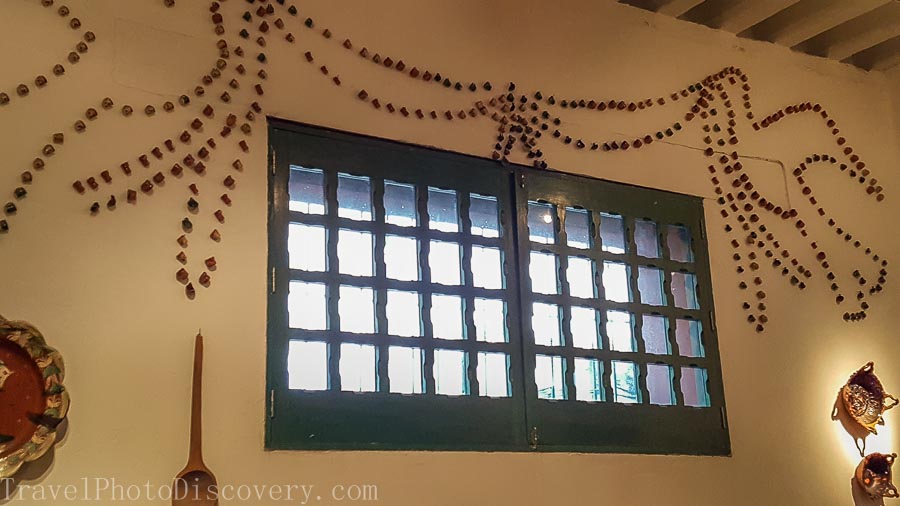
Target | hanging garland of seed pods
(187,158)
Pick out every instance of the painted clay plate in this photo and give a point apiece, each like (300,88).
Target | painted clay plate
(33,400)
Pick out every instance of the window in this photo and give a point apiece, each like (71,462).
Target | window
(427,300)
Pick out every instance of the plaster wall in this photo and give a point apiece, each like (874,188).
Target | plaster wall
(102,288)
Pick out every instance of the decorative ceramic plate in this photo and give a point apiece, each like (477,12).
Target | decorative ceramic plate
(33,401)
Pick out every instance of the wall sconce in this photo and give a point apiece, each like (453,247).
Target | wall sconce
(865,399)
(874,475)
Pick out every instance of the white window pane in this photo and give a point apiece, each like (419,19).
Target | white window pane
(625,382)
(486,268)
(541,218)
(619,330)
(442,213)
(490,318)
(399,204)
(588,379)
(484,216)
(549,375)
(493,374)
(357,309)
(357,368)
(403,310)
(545,324)
(443,260)
(580,275)
(616,282)
(450,372)
(578,228)
(583,325)
(307,366)
(306,306)
(354,196)
(612,233)
(659,384)
(543,272)
(307,190)
(405,370)
(355,252)
(401,258)
(306,247)
(447,316)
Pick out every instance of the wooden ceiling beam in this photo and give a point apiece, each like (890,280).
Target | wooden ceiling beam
(809,18)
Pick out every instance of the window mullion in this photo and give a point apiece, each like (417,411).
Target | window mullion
(559,221)
(381,323)
(637,335)
(425,269)
(333,288)
(470,334)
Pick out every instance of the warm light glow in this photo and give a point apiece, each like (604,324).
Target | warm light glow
(880,443)
(547,218)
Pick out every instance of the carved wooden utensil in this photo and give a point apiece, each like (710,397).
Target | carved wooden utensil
(195,484)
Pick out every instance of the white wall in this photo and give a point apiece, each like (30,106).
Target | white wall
(102,288)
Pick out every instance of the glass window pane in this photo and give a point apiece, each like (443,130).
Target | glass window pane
(619,330)
(355,253)
(659,384)
(405,370)
(584,324)
(650,285)
(580,275)
(625,382)
(684,290)
(307,190)
(541,218)
(444,263)
(484,215)
(442,213)
(678,239)
(545,324)
(493,374)
(487,268)
(688,336)
(354,194)
(401,258)
(616,282)
(306,306)
(306,247)
(612,233)
(655,330)
(403,310)
(450,372)
(400,204)
(693,387)
(307,365)
(578,228)
(543,271)
(357,309)
(357,368)
(549,375)
(589,380)
(447,316)
(490,318)
(646,238)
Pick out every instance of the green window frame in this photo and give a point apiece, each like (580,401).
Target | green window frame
(670,403)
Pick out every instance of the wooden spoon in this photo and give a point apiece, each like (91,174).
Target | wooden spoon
(196,485)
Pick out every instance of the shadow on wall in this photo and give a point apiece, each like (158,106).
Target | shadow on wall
(851,426)
(33,472)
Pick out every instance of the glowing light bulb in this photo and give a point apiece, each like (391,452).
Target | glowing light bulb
(548,219)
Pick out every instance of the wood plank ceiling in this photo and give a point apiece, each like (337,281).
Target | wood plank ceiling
(865,33)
